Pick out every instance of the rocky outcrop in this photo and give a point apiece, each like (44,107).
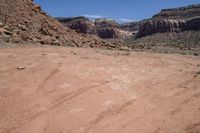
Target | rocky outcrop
(193,24)
(161,26)
(106,28)
(171,20)
(106,33)
(79,24)
(105,22)
(114,33)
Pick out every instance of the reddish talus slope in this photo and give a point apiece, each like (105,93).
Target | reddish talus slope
(22,20)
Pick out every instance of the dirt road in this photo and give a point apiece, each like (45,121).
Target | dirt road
(71,90)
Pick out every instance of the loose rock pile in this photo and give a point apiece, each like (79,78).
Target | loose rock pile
(23,21)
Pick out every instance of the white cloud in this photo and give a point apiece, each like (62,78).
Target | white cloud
(93,16)
(125,20)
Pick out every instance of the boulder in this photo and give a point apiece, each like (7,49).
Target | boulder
(4,38)
(56,43)
(37,8)
(1,24)
(22,27)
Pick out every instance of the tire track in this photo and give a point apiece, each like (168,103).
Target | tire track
(149,112)
(107,113)
(161,81)
(183,62)
(193,128)
(186,64)
(63,99)
(44,82)
(185,102)
(68,96)
(186,89)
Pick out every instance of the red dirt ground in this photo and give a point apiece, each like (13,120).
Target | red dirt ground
(77,90)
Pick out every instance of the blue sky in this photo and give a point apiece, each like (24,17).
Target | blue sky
(119,10)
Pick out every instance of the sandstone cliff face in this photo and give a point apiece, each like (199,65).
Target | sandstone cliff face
(106,28)
(179,13)
(115,33)
(105,22)
(161,26)
(193,24)
(79,24)
(132,26)
(103,27)
(106,33)
(172,20)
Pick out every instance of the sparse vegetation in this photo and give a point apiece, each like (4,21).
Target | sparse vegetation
(187,39)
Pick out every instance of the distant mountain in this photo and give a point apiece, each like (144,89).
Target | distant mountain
(179,26)
(179,13)
(172,20)
(175,27)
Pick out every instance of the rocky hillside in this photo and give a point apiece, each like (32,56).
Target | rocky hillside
(23,21)
(102,27)
(172,20)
